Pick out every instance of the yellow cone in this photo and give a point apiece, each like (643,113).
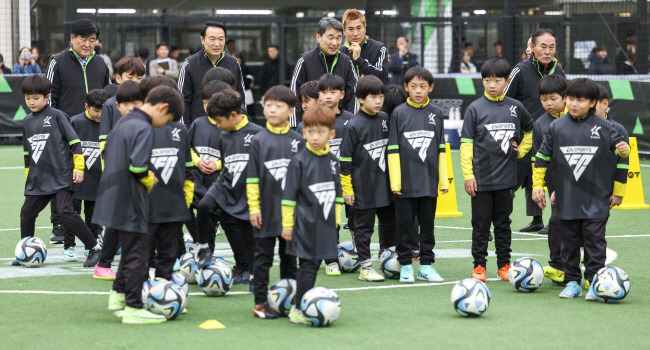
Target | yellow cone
(633,198)
(447,206)
(212,324)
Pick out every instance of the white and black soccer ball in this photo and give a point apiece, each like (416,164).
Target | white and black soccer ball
(166,299)
(470,297)
(526,274)
(215,280)
(320,306)
(611,284)
(348,257)
(188,267)
(100,238)
(389,265)
(280,296)
(148,284)
(179,278)
(31,251)
(217,260)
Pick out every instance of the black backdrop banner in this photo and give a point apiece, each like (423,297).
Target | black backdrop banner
(630,105)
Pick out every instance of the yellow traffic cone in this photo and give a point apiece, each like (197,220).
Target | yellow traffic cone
(447,206)
(633,198)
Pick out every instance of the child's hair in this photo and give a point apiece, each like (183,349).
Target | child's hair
(370,85)
(129,65)
(223,103)
(603,94)
(219,74)
(553,84)
(169,95)
(583,88)
(212,87)
(149,83)
(495,68)
(419,72)
(281,93)
(308,89)
(129,91)
(96,98)
(394,96)
(330,82)
(319,116)
(111,89)
(36,85)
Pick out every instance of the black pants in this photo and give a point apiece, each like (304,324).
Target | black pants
(365,226)
(35,204)
(263,262)
(89,207)
(305,278)
(554,241)
(573,233)
(133,267)
(109,248)
(406,211)
(349,214)
(491,207)
(238,232)
(191,224)
(163,243)
(55,218)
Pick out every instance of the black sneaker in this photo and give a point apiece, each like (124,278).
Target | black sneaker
(264,311)
(532,227)
(93,257)
(241,276)
(57,234)
(543,231)
(203,257)
(15,262)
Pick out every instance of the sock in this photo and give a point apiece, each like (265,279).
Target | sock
(366,263)
(202,245)
(97,246)
(537,220)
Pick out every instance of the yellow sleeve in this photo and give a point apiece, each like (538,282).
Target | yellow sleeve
(467,160)
(102,144)
(26,173)
(147,181)
(538,178)
(288,211)
(337,208)
(218,164)
(443,175)
(619,189)
(395,172)
(253,194)
(526,144)
(346,185)
(626,155)
(195,158)
(188,189)
(79,163)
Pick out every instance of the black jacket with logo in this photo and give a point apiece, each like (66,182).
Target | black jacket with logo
(372,60)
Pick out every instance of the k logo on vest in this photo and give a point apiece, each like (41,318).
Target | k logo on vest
(176,134)
(420,140)
(164,160)
(502,133)
(578,158)
(326,194)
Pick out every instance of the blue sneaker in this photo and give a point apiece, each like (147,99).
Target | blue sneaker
(70,255)
(429,273)
(571,290)
(406,274)
(177,265)
(591,295)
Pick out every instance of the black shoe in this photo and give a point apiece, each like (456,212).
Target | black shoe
(15,263)
(57,234)
(543,231)
(93,257)
(490,238)
(203,257)
(346,227)
(264,311)
(241,276)
(532,227)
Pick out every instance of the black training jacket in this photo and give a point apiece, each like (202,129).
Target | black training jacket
(372,60)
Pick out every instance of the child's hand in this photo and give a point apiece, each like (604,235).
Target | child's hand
(77,177)
(287,234)
(397,193)
(471,187)
(515,148)
(349,200)
(539,198)
(444,191)
(155,179)
(204,166)
(553,198)
(256,220)
(615,201)
(622,148)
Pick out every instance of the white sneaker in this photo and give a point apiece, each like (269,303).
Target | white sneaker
(333,269)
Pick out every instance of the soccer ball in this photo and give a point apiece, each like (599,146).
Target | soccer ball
(526,274)
(611,284)
(217,260)
(31,251)
(320,306)
(348,257)
(166,299)
(470,297)
(189,243)
(148,284)
(389,265)
(179,278)
(215,280)
(188,267)
(280,296)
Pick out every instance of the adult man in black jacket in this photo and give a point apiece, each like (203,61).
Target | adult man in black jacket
(271,69)
(401,61)
(213,41)
(368,55)
(524,86)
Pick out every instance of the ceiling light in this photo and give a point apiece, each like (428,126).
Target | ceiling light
(86,10)
(116,11)
(245,12)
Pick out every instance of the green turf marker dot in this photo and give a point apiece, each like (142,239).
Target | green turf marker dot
(621,90)
(212,324)
(20,113)
(638,128)
(4,86)
(465,86)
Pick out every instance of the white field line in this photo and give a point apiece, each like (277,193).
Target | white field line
(11,167)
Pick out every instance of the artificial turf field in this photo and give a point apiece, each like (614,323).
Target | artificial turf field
(60,306)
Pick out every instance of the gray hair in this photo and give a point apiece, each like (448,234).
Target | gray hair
(326,23)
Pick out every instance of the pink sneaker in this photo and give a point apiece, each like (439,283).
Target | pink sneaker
(103,273)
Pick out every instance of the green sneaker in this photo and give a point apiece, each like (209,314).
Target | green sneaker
(296,316)
(406,274)
(141,316)
(554,274)
(116,301)
(428,273)
(70,255)
(369,274)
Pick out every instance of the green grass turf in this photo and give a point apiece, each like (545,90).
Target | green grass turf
(411,317)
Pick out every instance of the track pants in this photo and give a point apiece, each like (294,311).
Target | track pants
(491,207)
(132,271)
(264,260)
(163,240)
(406,211)
(365,226)
(305,277)
(573,233)
(89,207)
